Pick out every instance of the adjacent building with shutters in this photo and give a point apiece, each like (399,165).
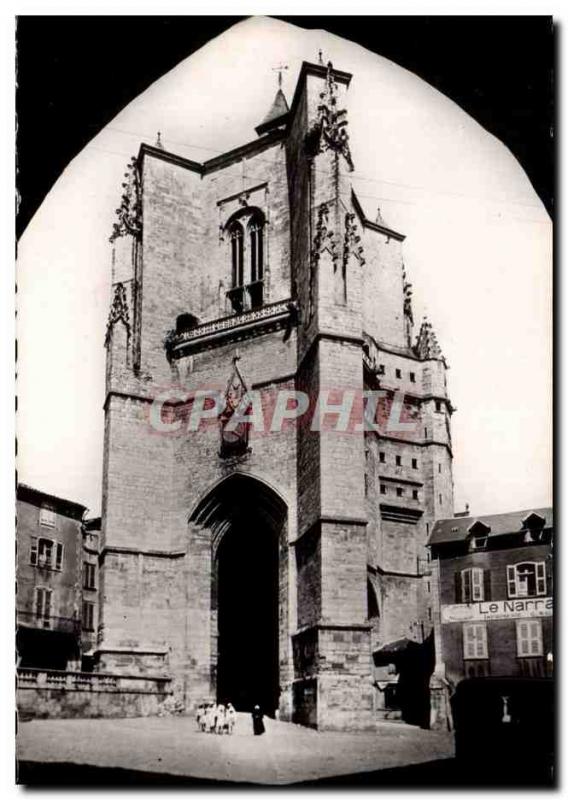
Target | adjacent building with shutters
(493,608)
(56,581)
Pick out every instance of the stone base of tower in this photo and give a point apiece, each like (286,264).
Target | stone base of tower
(335,691)
(334,703)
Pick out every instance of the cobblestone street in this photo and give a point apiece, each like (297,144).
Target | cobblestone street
(173,747)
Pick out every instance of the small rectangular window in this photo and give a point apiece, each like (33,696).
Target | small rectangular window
(474,640)
(412,377)
(414,463)
(33,551)
(479,542)
(438,405)
(383,488)
(425,433)
(381,369)
(382,458)
(398,373)
(399,491)
(398,461)
(439,468)
(529,637)
(47,517)
(89,570)
(440,498)
(415,494)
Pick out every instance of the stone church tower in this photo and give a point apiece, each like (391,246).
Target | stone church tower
(274,565)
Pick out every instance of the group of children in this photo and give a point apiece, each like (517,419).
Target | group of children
(216,718)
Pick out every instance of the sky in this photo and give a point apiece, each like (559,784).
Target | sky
(478,252)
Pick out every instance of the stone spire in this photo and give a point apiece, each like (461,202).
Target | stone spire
(278,109)
(427,344)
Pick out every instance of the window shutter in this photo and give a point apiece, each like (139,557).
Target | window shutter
(33,551)
(486,584)
(466,586)
(511,581)
(523,638)
(469,641)
(458,579)
(47,603)
(476,584)
(59,556)
(481,648)
(536,638)
(540,578)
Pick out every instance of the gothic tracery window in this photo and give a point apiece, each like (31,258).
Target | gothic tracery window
(247,261)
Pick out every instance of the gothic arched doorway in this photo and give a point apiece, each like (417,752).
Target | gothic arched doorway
(249,579)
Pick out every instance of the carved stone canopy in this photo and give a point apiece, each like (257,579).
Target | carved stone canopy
(329,131)
(129,212)
(118,312)
(427,346)
(234,438)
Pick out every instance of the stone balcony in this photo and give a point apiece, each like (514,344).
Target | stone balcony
(254,322)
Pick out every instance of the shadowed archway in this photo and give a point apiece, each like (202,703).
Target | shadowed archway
(247,520)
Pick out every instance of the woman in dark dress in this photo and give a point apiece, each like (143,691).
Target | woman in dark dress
(257,723)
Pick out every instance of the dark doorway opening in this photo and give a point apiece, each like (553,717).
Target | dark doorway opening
(247,614)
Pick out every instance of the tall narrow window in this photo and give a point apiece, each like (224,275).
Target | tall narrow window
(88,615)
(88,575)
(43,605)
(59,556)
(256,246)
(256,232)
(236,234)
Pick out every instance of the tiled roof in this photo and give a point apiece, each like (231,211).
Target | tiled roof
(60,504)
(455,529)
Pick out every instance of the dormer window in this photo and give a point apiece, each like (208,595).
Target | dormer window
(478,534)
(533,525)
(246,237)
(479,542)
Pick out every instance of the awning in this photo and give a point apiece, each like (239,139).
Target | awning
(391,651)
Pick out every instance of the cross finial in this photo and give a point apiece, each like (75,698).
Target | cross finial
(279,69)
(159,141)
(320,56)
